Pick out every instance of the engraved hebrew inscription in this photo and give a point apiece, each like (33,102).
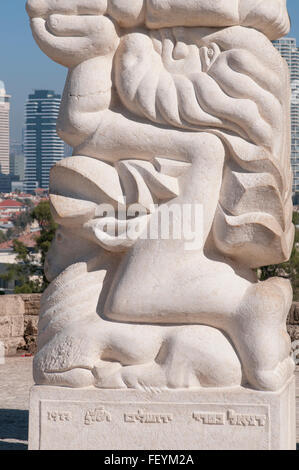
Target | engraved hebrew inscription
(148,418)
(209,418)
(99,415)
(89,424)
(236,419)
(231,417)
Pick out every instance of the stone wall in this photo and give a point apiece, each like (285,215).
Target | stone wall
(12,312)
(19,320)
(32,305)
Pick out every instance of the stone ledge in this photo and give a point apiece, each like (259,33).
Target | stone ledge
(214,419)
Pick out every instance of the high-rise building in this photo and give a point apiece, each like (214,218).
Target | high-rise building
(42,146)
(4,130)
(68,150)
(290,52)
(17,161)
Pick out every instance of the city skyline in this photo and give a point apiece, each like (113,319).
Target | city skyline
(25,68)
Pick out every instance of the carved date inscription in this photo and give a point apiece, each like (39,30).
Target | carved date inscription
(59,416)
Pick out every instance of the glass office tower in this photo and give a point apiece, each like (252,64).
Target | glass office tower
(42,146)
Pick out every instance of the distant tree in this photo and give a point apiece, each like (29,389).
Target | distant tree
(9,234)
(28,271)
(42,214)
(22,220)
(29,203)
(296,218)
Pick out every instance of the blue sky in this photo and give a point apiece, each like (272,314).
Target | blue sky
(24,67)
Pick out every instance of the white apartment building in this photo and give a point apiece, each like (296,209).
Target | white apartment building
(290,52)
(4,129)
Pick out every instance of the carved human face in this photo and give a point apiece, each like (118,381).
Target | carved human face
(198,78)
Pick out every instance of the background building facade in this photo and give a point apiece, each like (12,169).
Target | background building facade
(4,130)
(17,161)
(42,146)
(290,52)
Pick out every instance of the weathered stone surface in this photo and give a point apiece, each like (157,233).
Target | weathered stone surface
(19,322)
(11,327)
(11,305)
(31,318)
(235,419)
(17,325)
(31,325)
(31,303)
(12,345)
(5,327)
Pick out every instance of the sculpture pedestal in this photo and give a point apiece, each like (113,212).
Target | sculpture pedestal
(222,419)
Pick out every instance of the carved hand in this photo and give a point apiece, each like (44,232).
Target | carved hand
(71,31)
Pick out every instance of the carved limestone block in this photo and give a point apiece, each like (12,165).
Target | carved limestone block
(180,108)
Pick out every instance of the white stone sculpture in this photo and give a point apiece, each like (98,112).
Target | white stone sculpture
(168,103)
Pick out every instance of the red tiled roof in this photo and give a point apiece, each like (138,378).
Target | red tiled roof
(29,240)
(10,203)
(40,190)
(24,195)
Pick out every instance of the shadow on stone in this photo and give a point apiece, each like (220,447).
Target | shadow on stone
(12,446)
(14,425)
